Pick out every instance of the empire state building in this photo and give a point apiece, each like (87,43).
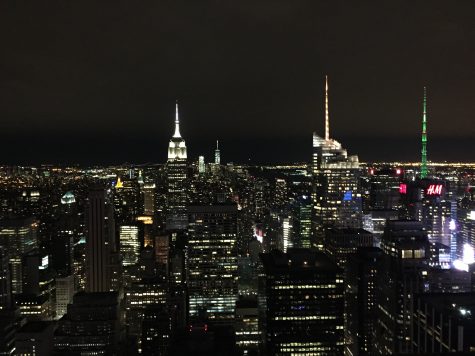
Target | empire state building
(176,180)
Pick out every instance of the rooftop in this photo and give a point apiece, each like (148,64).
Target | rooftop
(36,326)
(297,260)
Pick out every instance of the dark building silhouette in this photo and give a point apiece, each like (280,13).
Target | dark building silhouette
(361,300)
(102,259)
(403,273)
(341,243)
(444,323)
(156,331)
(90,327)
(301,302)
(35,338)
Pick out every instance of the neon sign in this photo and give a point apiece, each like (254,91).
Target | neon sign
(403,188)
(434,189)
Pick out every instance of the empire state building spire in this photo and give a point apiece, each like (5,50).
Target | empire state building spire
(327,118)
(177,146)
(177,122)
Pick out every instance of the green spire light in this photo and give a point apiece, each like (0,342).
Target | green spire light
(424,137)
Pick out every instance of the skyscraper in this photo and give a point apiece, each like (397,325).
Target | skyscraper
(217,154)
(201,165)
(101,245)
(334,175)
(361,300)
(129,244)
(66,233)
(5,281)
(302,221)
(64,294)
(126,200)
(38,296)
(403,272)
(212,263)
(18,237)
(301,303)
(90,327)
(148,191)
(176,177)
(149,292)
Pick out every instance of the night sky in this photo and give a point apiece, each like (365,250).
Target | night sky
(96,81)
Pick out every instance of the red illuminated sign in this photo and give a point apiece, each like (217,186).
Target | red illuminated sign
(434,189)
(403,188)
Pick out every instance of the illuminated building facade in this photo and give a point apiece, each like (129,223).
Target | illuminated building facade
(18,237)
(439,255)
(248,336)
(34,307)
(129,244)
(212,263)
(64,294)
(201,165)
(375,222)
(217,154)
(426,200)
(126,200)
(162,249)
(301,303)
(350,211)
(286,233)
(176,170)
(37,300)
(334,174)
(149,292)
(302,222)
(279,196)
(467,228)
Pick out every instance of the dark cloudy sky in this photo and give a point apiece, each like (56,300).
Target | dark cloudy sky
(95,81)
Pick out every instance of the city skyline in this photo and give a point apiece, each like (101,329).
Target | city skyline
(245,74)
(251,178)
(298,144)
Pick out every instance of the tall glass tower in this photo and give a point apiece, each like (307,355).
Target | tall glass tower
(335,176)
(176,177)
